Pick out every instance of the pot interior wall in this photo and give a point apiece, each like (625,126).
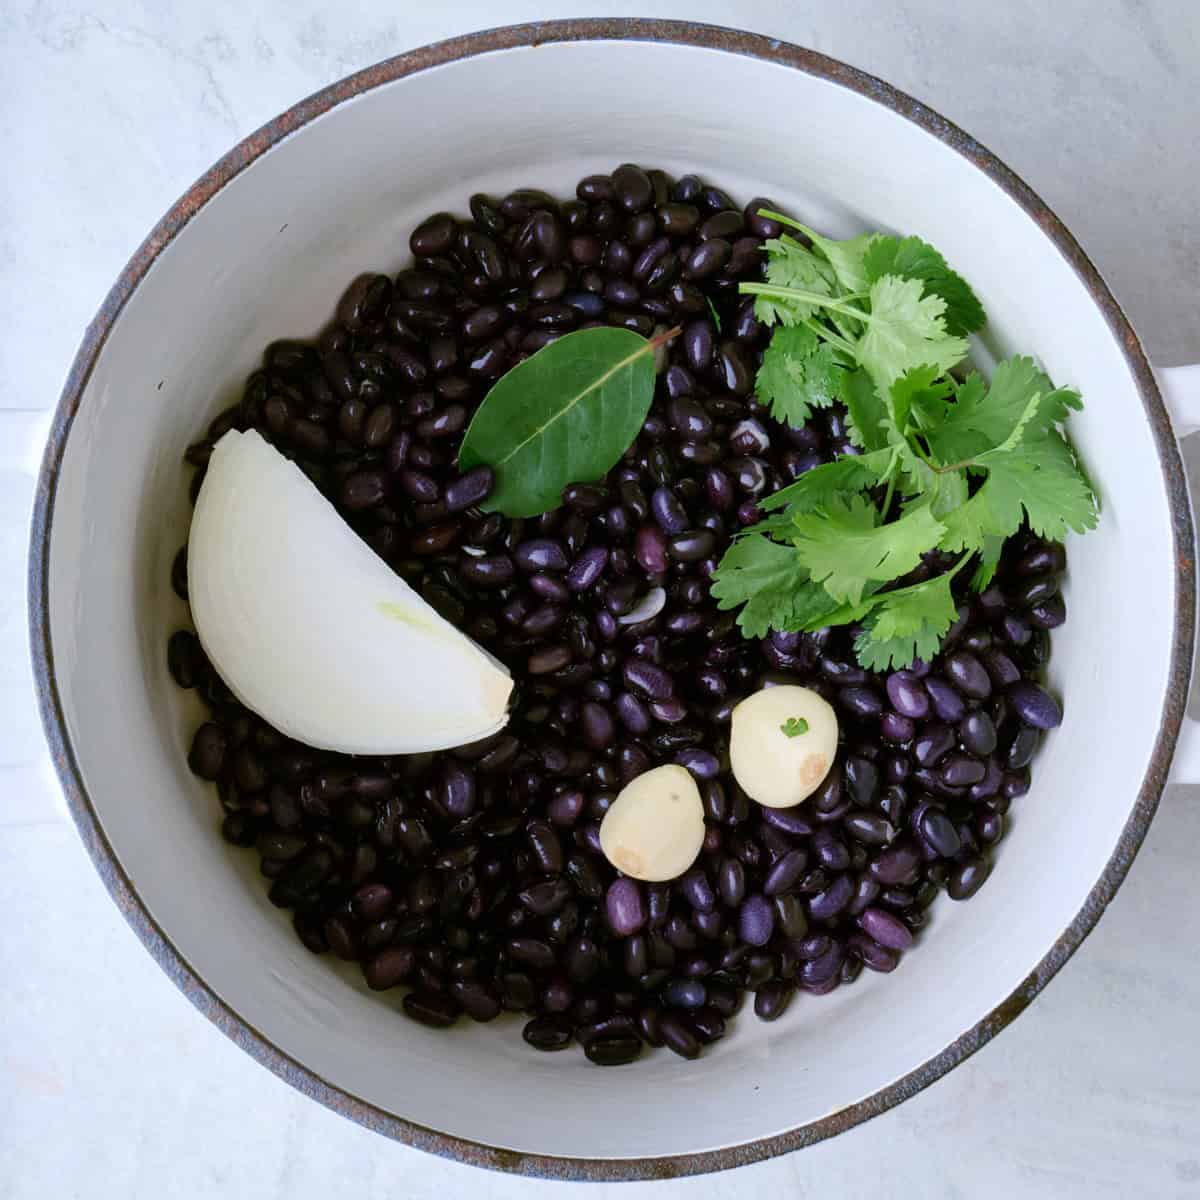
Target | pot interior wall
(267,258)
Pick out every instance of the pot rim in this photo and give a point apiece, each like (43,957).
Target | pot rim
(122,889)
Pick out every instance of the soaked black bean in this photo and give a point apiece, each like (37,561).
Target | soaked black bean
(1021,749)
(977,733)
(548,1033)
(969,675)
(759,225)
(207,755)
(668,511)
(692,546)
(477,877)
(632,188)
(736,373)
(1035,706)
(967,878)
(939,831)
(678,1034)
(698,344)
(434,236)
(1046,559)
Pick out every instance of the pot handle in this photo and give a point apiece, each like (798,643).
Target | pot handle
(22,439)
(1180,387)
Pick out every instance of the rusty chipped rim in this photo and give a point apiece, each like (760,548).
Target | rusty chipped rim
(122,888)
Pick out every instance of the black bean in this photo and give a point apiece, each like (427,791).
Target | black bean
(207,755)
(818,967)
(389,967)
(698,344)
(1034,706)
(967,878)
(1021,749)
(756,920)
(707,258)
(736,373)
(947,703)
(491,571)
(938,831)
(785,872)
(434,236)
(692,546)
(587,569)
(968,674)
(759,225)
(872,954)
(1047,559)
(961,770)
(977,733)
(771,1000)
(677,1034)
(668,511)
(547,1033)
(431,1009)
(632,188)
(897,864)
(470,489)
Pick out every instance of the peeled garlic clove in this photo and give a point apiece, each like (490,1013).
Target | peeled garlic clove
(782,743)
(655,827)
(313,631)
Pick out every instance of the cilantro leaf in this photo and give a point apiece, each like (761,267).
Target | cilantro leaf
(865,409)
(1020,396)
(1044,477)
(878,323)
(989,560)
(912,258)
(945,493)
(771,582)
(790,265)
(845,257)
(844,548)
(1039,481)
(905,330)
(920,388)
(907,624)
(822,485)
(798,373)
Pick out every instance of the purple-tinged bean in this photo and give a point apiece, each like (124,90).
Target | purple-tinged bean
(871,953)
(967,878)
(1034,706)
(888,930)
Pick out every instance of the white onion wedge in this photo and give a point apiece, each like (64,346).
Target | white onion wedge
(313,631)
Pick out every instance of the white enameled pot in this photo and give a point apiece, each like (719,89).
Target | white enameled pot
(260,248)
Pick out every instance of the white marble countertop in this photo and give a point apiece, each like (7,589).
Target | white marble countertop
(110,1083)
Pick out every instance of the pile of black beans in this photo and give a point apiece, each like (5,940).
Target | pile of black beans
(474,877)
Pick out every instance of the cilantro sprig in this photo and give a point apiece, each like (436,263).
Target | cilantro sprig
(946,469)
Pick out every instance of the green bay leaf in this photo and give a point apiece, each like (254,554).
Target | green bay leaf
(564,415)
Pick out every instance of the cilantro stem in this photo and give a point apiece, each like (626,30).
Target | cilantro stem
(806,297)
(891,488)
(958,466)
(834,339)
(962,562)
(791,222)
